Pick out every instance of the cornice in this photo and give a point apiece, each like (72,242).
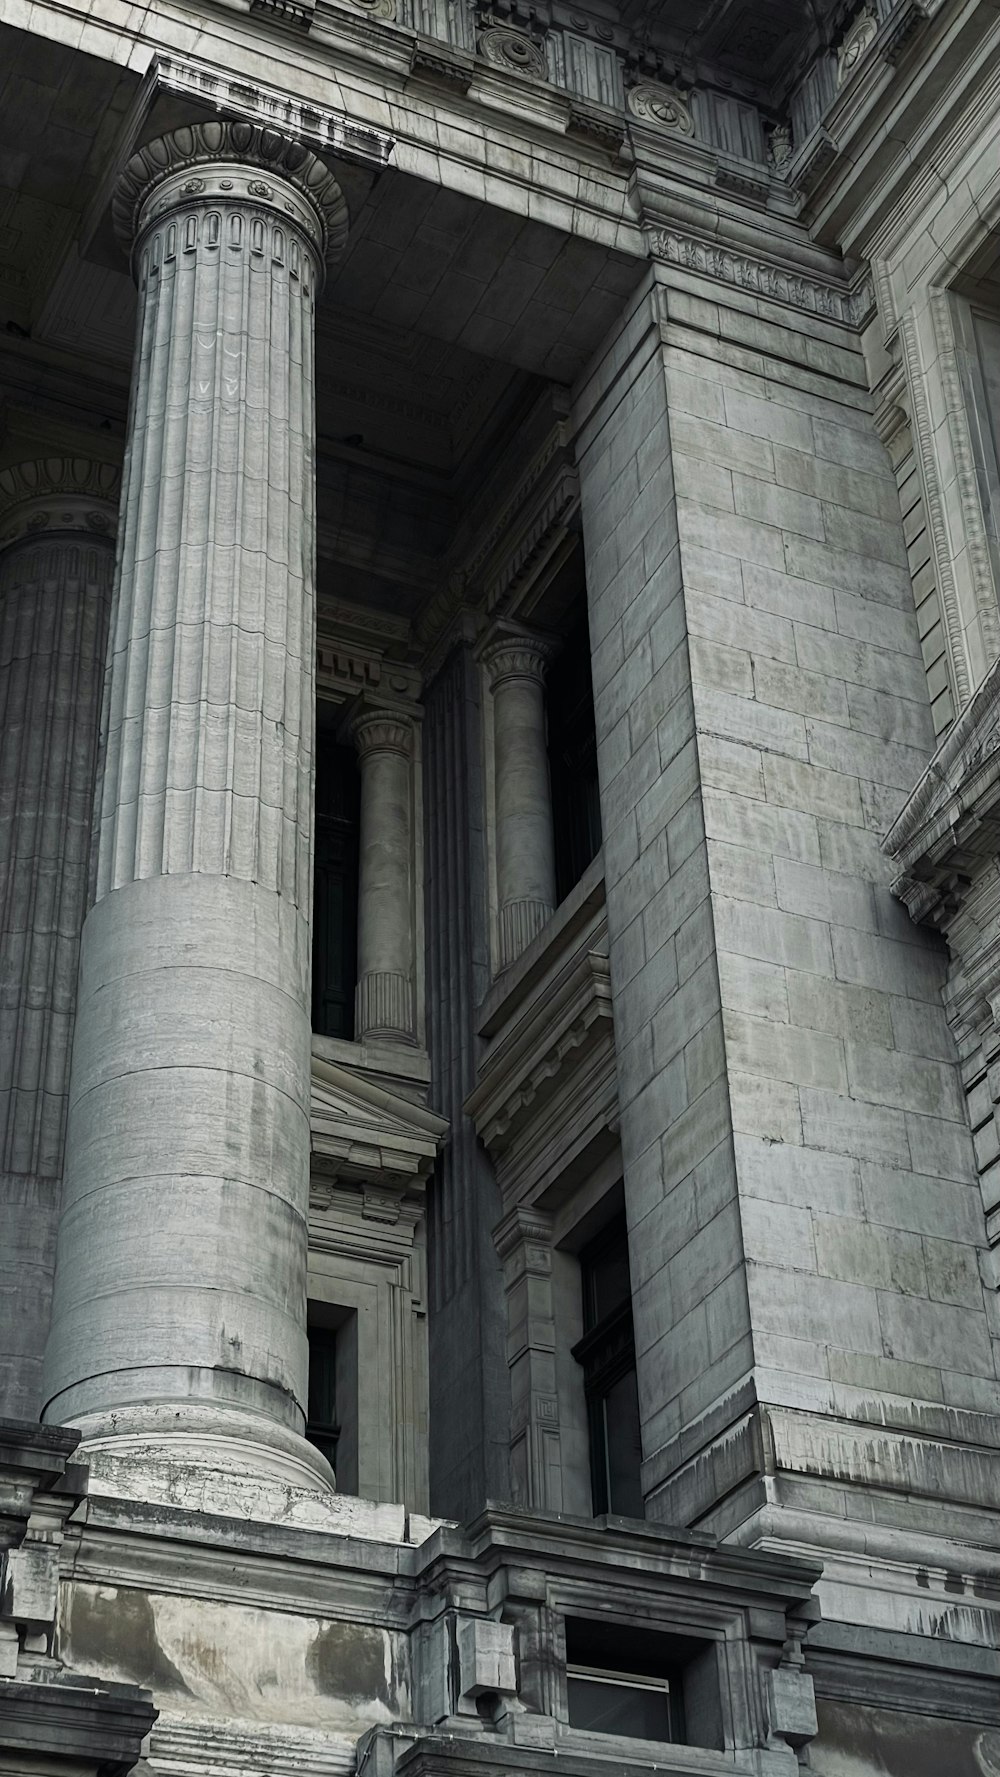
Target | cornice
(890,139)
(535,1059)
(951,821)
(363,1131)
(234,96)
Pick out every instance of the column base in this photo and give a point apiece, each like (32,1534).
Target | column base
(217,1459)
(520,922)
(384,1006)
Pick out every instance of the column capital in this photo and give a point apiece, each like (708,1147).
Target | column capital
(58,494)
(221,163)
(509,652)
(383,731)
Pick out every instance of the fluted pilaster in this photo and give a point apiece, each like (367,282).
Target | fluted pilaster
(57,525)
(384,1001)
(515,662)
(179,1312)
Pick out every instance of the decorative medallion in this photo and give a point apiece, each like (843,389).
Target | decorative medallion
(514,51)
(859,37)
(661,106)
(257,188)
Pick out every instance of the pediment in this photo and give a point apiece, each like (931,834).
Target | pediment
(366,1130)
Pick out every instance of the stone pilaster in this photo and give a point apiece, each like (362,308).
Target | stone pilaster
(56,568)
(384,1001)
(515,661)
(179,1306)
(524,1243)
(467,1363)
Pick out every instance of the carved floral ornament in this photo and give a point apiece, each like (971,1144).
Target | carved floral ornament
(247,148)
(662,107)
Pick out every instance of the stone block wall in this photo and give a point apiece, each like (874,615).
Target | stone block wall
(800,1181)
(690,1306)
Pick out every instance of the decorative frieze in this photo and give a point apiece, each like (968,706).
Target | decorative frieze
(778,283)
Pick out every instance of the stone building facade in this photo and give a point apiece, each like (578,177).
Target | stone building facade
(499,803)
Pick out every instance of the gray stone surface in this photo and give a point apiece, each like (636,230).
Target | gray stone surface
(756,1088)
(784,459)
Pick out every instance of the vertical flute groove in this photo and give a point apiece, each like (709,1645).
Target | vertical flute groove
(207,764)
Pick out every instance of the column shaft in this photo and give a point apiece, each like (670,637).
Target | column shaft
(384,1004)
(179,1303)
(525,857)
(56,568)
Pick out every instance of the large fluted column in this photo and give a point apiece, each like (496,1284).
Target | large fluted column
(525,859)
(384,1000)
(57,557)
(179,1305)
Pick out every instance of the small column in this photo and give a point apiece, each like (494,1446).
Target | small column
(516,661)
(178,1324)
(57,558)
(384,998)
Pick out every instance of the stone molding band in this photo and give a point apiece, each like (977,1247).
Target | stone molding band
(216,152)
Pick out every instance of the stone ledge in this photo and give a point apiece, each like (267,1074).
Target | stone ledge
(89,1727)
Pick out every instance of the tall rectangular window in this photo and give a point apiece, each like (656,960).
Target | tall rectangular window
(322,1426)
(576,805)
(607,1355)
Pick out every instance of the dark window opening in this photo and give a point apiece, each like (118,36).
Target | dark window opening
(629,1680)
(607,1355)
(576,806)
(322,1428)
(335,889)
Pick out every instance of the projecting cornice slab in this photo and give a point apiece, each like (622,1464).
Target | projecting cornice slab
(951,822)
